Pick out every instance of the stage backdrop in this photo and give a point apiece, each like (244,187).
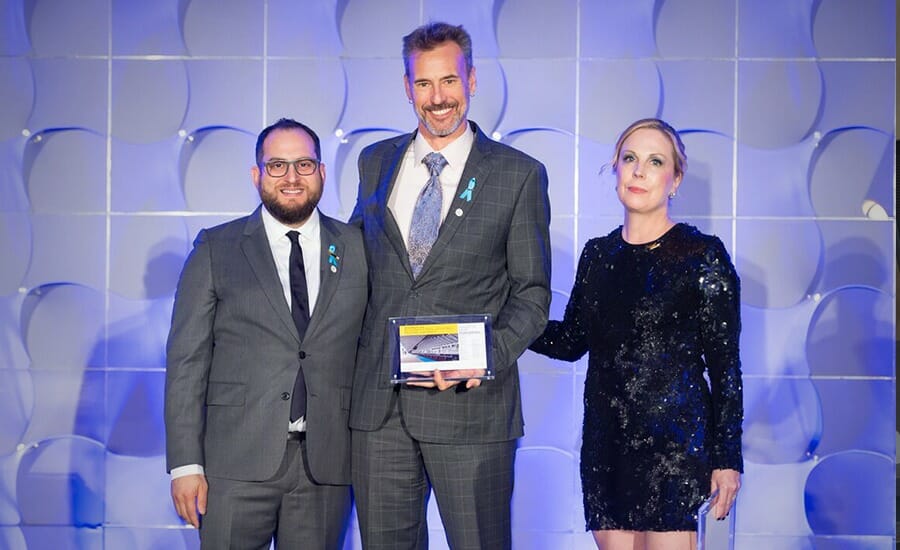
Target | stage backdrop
(127,126)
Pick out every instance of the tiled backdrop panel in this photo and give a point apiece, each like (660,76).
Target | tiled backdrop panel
(126,126)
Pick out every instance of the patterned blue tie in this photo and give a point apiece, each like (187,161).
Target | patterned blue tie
(426,218)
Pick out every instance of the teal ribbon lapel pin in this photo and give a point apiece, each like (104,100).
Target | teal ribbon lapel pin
(467,194)
(333,258)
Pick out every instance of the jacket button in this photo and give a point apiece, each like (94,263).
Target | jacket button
(285,396)
(302,354)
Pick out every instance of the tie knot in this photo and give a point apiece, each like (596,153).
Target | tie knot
(435,163)
(294,236)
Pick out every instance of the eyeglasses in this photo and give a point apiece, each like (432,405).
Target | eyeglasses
(303,167)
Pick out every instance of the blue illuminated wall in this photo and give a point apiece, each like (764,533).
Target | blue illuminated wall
(127,126)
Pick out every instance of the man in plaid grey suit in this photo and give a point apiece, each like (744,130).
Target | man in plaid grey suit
(492,255)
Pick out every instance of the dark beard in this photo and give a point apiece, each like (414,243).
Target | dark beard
(289,216)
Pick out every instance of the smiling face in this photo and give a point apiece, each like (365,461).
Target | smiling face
(645,172)
(291,198)
(439,87)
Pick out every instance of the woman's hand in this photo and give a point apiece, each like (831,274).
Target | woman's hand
(728,482)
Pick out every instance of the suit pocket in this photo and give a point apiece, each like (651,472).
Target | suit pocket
(225,393)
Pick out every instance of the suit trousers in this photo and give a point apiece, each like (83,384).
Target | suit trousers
(392,473)
(289,507)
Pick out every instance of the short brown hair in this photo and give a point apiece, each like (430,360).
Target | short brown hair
(430,36)
(286,124)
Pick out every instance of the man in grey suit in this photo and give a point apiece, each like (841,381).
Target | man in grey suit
(491,256)
(260,362)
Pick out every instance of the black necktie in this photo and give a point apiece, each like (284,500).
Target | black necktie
(300,313)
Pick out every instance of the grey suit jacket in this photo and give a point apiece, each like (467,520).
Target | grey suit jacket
(492,256)
(233,353)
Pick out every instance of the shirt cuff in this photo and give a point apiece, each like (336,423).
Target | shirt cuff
(189,469)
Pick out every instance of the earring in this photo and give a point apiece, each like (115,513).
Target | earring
(410,101)
(672,195)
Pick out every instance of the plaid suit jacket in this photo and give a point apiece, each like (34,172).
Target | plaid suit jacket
(492,256)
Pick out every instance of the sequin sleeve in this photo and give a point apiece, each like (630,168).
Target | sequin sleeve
(568,339)
(720,319)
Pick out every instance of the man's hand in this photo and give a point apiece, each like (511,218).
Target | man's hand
(440,379)
(189,497)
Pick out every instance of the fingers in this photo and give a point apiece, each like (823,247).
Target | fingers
(724,506)
(436,382)
(444,384)
(201,498)
(427,383)
(728,483)
(721,508)
(460,375)
(721,505)
(444,380)
(186,495)
(190,514)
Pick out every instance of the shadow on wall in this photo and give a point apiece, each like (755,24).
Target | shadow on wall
(135,356)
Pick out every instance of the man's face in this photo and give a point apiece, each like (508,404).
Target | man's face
(439,87)
(290,198)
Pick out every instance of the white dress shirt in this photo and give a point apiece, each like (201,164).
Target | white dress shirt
(310,244)
(414,176)
(280,245)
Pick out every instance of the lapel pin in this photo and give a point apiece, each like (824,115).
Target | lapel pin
(333,258)
(458,212)
(467,194)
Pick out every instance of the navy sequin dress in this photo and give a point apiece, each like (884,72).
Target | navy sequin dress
(654,317)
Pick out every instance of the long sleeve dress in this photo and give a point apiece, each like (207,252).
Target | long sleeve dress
(663,392)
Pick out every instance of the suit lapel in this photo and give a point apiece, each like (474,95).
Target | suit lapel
(390,170)
(474,176)
(330,254)
(255,246)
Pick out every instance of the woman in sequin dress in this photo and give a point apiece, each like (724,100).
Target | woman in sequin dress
(656,304)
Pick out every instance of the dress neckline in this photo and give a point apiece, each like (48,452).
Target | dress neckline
(650,245)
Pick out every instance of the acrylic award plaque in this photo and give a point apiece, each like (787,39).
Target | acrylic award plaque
(458,345)
(714,534)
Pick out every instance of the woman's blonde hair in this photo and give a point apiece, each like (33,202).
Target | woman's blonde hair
(653,124)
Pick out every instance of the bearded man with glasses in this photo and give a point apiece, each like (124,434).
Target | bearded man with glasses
(260,362)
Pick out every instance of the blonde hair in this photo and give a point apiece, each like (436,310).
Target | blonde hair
(653,124)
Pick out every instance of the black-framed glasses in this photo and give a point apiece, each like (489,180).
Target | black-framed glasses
(303,167)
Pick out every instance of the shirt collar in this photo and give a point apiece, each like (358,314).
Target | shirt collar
(456,152)
(276,230)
